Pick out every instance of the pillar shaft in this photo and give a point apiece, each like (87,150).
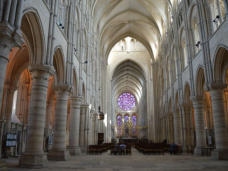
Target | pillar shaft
(9,106)
(199,121)
(83,127)
(187,111)
(177,129)
(3,65)
(221,134)
(58,151)
(74,126)
(34,155)
(226,7)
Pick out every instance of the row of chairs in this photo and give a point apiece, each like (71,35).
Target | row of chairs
(153,148)
(98,149)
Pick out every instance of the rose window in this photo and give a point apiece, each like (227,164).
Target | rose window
(126,101)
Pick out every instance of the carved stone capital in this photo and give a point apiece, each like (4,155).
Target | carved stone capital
(76,98)
(63,88)
(13,37)
(84,106)
(42,68)
(215,85)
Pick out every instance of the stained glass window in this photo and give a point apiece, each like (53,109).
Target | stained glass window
(119,125)
(126,123)
(119,121)
(134,120)
(126,119)
(126,101)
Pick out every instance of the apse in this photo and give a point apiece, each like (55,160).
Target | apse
(129,101)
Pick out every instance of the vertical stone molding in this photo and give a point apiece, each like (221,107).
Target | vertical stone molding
(90,125)
(187,110)
(221,134)
(10,34)
(74,126)
(177,129)
(34,155)
(9,104)
(83,127)
(199,121)
(59,152)
(226,8)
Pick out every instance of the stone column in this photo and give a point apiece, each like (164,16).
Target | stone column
(34,155)
(177,128)
(9,106)
(87,125)
(187,110)
(90,125)
(83,111)
(49,110)
(226,8)
(74,126)
(5,47)
(199,121)
(221,132)
(10,34)
(59,152)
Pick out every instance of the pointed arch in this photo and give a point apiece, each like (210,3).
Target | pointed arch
(33,34)
(221,63)
(200,81)
(59,65)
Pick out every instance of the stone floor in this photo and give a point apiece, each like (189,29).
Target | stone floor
(134,162)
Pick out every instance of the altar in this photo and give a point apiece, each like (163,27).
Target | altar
(131,141)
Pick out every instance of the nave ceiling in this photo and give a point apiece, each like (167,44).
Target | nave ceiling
(144,20)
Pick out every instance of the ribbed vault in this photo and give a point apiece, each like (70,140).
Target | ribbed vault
(145,20)
(128,77)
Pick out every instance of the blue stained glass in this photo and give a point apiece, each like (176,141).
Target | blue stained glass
(119,121)
(134,120)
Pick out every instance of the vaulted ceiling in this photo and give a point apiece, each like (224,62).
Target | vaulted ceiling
(128,77)
(144,20)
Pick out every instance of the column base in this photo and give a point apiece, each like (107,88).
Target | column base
(58,155)
(201,151)
(74,151)
(220,154)
(28,160)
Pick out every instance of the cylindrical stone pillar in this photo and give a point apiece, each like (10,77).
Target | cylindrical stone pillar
(83,127)
(34,155)
(221,134)
(187,111)
(74,126)
(177,128)
(199,121)
(90,128)
(9,106)
(226,8)
(59,152)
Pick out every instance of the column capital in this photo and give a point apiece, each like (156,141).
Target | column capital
(76,98)
(11,35)
(216,85)
(42,68)
(63,88)
(84,105)
(76,101)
